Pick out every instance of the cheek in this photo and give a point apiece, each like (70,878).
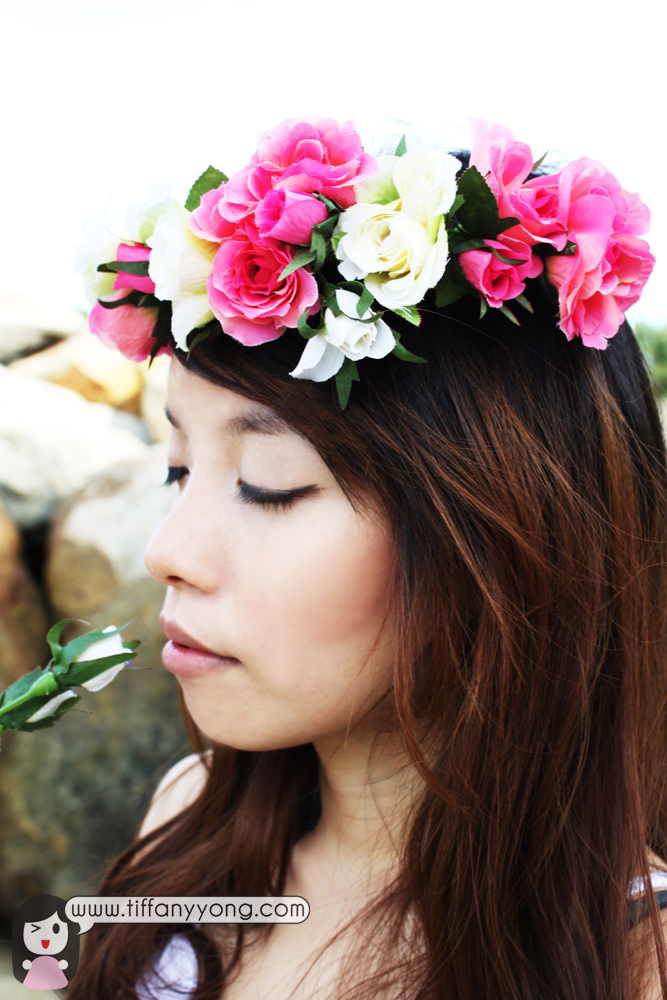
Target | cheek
(321,595)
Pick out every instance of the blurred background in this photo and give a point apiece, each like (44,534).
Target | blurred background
(104,100)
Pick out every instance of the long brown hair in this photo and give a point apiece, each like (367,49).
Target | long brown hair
(525,480)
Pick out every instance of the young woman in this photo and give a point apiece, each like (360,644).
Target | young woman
(420,645)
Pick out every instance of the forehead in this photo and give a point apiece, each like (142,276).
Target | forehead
(194,402)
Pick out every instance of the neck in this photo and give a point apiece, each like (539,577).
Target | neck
(367,787)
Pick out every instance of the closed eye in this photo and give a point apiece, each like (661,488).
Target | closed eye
(277,499)
(174,474)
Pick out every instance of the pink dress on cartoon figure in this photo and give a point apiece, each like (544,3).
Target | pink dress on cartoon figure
(45,974)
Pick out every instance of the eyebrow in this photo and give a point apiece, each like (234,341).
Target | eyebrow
(256,421)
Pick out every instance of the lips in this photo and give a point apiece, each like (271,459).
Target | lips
(174,632)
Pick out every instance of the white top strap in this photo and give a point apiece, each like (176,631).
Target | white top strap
(176,969)
(658,881)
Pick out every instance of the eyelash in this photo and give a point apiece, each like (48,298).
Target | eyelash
(276,499)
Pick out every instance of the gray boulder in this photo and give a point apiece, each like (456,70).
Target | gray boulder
(27,325)
(52,442)
(99,535)
(72,797)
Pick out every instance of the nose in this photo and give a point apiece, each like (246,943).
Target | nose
(185,550)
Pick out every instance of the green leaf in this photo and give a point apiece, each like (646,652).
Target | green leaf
(136,267)
(523,301)
(38,680)
(410,313)
(476,243)
(54,633)
(332,206)
(402,147)
(479,212)
(197,339)
(346,375)
(300,258)
(84,671)
(365,302)
(332,303)
(318,246)
(507,223)
(455,206)
(304,329)
(161,330)
(65,706)
(357,287)
(506,260)
(483,306)
(79,645)
(326,227)
(405,355)
(335,240)
(210,179)
(135,298)
(538,163)
(510,315)
(448,290)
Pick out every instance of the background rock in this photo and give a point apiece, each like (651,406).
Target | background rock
(82,363)
(72,797)
(23,623)
(154,397)
(98,537)
(52,442)
(27,325)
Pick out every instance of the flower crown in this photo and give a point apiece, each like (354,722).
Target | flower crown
(319,236)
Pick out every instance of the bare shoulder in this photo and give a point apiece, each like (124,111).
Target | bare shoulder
(179,787)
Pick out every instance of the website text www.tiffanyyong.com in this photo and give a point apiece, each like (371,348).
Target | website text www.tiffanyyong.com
(89,910)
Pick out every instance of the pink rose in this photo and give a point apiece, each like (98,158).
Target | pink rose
(593,302)
(505,164)
(206,222)
(315,154)
(611,265)
(245,290)
(302,156)
(498,281)
(132,252)
(128,329)
(289,215)
(496,152)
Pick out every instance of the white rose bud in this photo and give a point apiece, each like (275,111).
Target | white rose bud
(104,647)
(344,336)
(51,706)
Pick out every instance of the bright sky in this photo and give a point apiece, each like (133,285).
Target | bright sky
(103,97)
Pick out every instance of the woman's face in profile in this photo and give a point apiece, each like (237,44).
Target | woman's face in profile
(270,569)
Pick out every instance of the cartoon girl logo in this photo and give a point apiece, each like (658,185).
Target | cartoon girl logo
(45,944)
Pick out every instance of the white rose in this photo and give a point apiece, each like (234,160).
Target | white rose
(380,188)
(51,706)
(101,236)
(180,264)
(400,247)
(104,647)
(426,183)
(344,336)
(393,252)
